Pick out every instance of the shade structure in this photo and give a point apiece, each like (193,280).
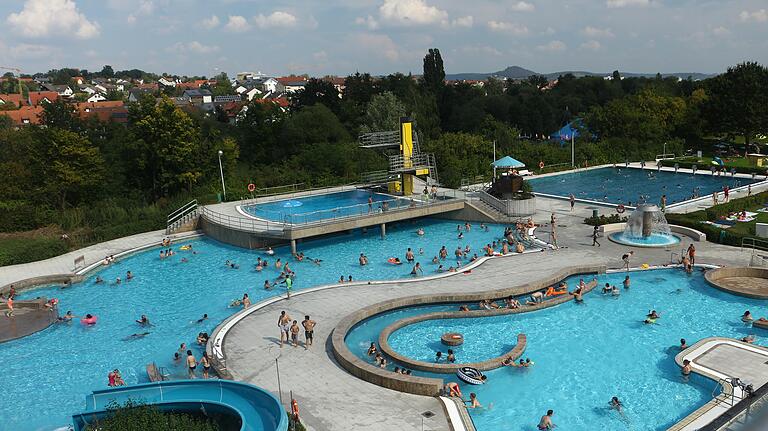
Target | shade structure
(508,162)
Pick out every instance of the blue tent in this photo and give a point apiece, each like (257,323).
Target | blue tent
(508,162)
(566,132)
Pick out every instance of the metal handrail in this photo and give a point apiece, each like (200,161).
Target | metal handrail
(181,209)
(174,217)
(756,243)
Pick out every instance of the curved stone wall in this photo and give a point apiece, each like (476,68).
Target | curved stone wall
(750,282)
(429,386)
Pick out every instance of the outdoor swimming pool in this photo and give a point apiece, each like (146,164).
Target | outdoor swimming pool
(46,375)
(584,354)
(628,186)
(326,206)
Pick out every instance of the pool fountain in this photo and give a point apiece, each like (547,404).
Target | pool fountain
(646,227)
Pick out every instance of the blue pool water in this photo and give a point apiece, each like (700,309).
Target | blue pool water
(45,376)
(586,354)
(627,185)
(654,240)
(315,208)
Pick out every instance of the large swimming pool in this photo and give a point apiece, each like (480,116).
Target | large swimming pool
(584,354)
(629,186)
(326,206)
(45,376)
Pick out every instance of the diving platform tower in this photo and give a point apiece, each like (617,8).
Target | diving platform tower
(406,161)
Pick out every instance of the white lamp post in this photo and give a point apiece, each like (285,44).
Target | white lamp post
(221,170)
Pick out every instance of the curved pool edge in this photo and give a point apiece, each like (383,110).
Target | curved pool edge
(179,392)
(722,404)
(617,237)
(215,345)
(420,385)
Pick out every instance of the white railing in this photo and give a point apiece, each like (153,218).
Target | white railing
(754,244)
(182,215)
(668,156)
(509,207)
(320,217)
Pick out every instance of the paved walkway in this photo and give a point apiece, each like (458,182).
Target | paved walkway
(65,263)
(332,399)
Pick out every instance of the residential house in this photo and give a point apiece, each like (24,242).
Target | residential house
(63,90)
(88,89)
(15,99)
(106,111)
(227,98)
(337,82)
(135,94)
(26,115)
(253,93)
(167,82)
(293,83)
(199,96)
(96,97)
(78,80)
(192,85)
(38,97)
(272,85)
(181,102)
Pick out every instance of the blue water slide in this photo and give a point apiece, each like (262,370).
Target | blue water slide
(258,409)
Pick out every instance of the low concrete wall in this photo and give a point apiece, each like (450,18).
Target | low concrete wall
(714,277)
(228,235)
(469,213)
(521,207)
(430,387)
(32,282)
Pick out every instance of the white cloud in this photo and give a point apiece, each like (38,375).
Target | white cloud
(508,27)
(591,45)
(721,31)
(193,47)
(555,45)
(41,18)
(627,3)
(237,24)
(31,51)
(464,21)
(320,56)
(594,32)
(549,31)
(756,16)
(378,43)
(411,12)
(483,50)
(523,6)
(368,21)
(145,7)
(275,19)
(211,23)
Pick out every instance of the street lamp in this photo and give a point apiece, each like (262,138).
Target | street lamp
(221,170)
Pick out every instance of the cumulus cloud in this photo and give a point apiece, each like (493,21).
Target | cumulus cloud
(483,50)
(756,16)
(721,31)
(237,24)
(211,23)
(275,19)
(627,3)
(523,6)
(464,21)
(41,18)
(145,7)
(594,32)
(368,21)
(508,27)
(193,47)
(591,45)
(411,12)
(555,45)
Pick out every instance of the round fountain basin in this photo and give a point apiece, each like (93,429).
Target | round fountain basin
(654,240)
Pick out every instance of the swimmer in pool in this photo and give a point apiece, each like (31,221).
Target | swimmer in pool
(144,321)
(67,317)
(135,336)
(616,404)
(420,232)
(435,260)
(99,280)
(747,317)
(202,319)
(267,286)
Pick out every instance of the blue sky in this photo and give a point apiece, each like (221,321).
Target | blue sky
(382,36)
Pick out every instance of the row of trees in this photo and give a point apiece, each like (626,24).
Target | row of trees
(56,174)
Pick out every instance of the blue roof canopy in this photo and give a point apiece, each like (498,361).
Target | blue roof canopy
(508,162)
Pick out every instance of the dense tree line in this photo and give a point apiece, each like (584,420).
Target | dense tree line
(105,180)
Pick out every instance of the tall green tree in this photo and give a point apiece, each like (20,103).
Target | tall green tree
(318,91)
(72,166)
(383,113)
(223,85)
(60,114)
(737,102)
(434,73)
(168,142)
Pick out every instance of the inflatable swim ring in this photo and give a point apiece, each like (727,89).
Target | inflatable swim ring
(185,247)
(645,266)
(394,261)
(553,292)
(470,375)
(89,321)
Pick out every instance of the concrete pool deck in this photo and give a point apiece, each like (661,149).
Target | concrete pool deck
(329,397)
(332,399)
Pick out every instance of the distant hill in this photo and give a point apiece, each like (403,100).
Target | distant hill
(517,72)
